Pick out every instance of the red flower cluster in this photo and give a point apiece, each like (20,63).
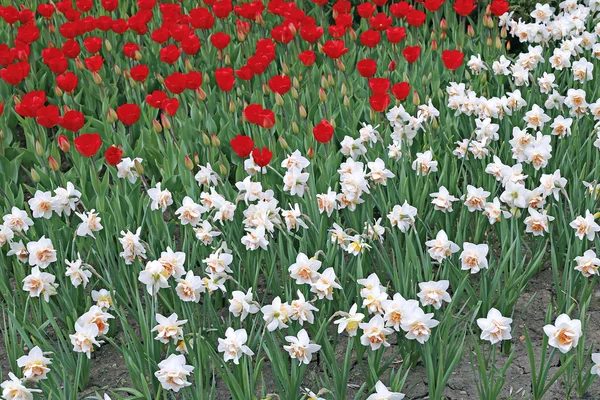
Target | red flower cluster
(256,114)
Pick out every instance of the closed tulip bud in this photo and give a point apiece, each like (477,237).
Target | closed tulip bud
(38,148)
(294,93)
(1,134)
(53,164)
(443,24)
(241,36)
(196,159)
(324,83)
(214,139)
(107,45)
(227,59)
(434,45)
(416,99)
(346,102)
(138,55)
(405,77)
(51,28)
(489,42)
(435,124)
(238,91)
(285,69)
(220,55)
(484,78)
(278,99)
(488,10)
(295,82)
(503,32)
(189,165)
(340,65)
(200,94)
(330,80)
(322,95)
(343,89)
(188,65)
(352,34)
(332,122)
(259,19)
(265,89)
(126,75)
(34,175)
(295,128)
(63,143)
(310,153)
(302,111)
(392,66)
(443,36)
(139,168)
(165,121)
(97,79)
(283,143)
(320,47)
(58,91)
(231,106)
(467,75)
(432,35)
(111,116)
(160,79)
(156,126)
(79,64)
(508,46)
(205,139)
(223,169)
(498,43)
(470,31)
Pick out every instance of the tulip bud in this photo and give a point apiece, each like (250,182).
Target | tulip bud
(39,149)
(227,59)
(58,91)
(372,114)
(283,143)
(97,79)
(352,35)
(265,89)
(278,99)
(435,124)
(138,55)
(432,36)
(107,45)
(322,95)
(138,167)
(220,55)
(302,111)
(53,164)
(165,121)
(508,46)
(310,153)
(200,94)
(63,143)
(488,10)
(470,31)
(498,43)
(1,134)
(434,45)
(196,159)
(126,74)
(241,37)
(51,29)
(392,66)
(294,92)
(188,65)
(34,175)
(443,36)
(343,89)
(503,32)
(205,139)
(330,80)
(346,102)
(489,42)
(79,64)
(324,83)
(160,79)
(231,106)
(443,24)
(156,126)
(239,91)
(295,128)
(295,82)
(189,165)
(320,47)
(215,140)
(332,122)
(223,169)
(416,99)
(340,66)
(111,116)
(292,29)
(285,69)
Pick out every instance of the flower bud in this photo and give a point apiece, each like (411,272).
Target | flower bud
(416,99)
(53,164)
(223,169)
(34,175)
(205,139)
(324,83)
(278,99)
(63,143)
(470,31)
(188,65)
(352,35)
(111,116)
(160,79)
(340,66)
(58,91)
(165,121)
(294,93)
(231,106)
(214,139)
(508,45)
(138,55)
(295,82)
(489,42)
(241,36)
(443,24)
(200,94)
(498,43)
(503,32)
(283,143)
(343,89)
(392,66)
(302,111)
(295,128)
(79,64)
(156,126)
(285,69)
(117,70)
(346,102)
(196,159)
(330,80)
(322,95)
(138,167)
(435,124)
(227,59)
(51,29)
(434,45)
(310,153)
(443,36)
(38,148)
(107,45)
(97,79)
(189,165)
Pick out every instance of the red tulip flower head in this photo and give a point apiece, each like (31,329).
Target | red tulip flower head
(366,68)
(411,53)
(225,78)
(401,90)
(88,144)
(242,145)
(280,84)
(262,158)
(128,114)
(113,155)
(464,7)
(335,48)
(499,7)
(323,131)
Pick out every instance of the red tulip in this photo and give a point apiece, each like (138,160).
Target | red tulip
(67,82)
(379,85)
(335,48)
(88,144)
(63,143)
(400,9)
(139,73)
(193,80)
(307,57)
(130,49)
(72,121)
(113,155)
(94,63)
(415,18)
(156,98)
(176,82)
(464,7)
(452,59)
(323,131)
(411,53)
(93,44)
(190,44)
(280,84)
(499,7)
(311,33)
(110,5)
(242,145)
(71,48)
(380,22)
(170,106)
(379,102)
(170,54)
(48,116)
(225,78)
(31,103)
(201,18)
(395,34)
(262,157)
(128,114)
(220,40)
(401,90)
(433,5)
(370,38)
(366,68)
(365,10)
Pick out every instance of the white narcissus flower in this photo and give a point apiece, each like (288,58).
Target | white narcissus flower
(102,298)
(442,200)
(588,263)
(473,257)
(241,304)
(292,218)
(475,198)
(6,235)
(255,238)
(494,327)
(41,205)
(207,176)
(301,310)
(537,222)
(375,333)
(152,276)
(173,373)
(126,169)
(536,118)
(327,202)
(441,248)
(90,223)
(233,346)
(190,212)
(349,321)
(301,348)
(378,172)
(403,216)
(65,199)
(205,233)
(17,249)
(351,147)
(296,159)
(275,314)
(190,287)
(41,253)
(132,246)
(34,364)
(417,325)
(383,393)
(219,261)
(76,273)
(434,293)
(596,364)
(161,198)
(585,227)
(564,334)
(294,181)
(396,309)
(172,262)
(250,190)
(39,283)
(13,389)
(424,163)
(304,270)
(325,284)
(97,316)
(84,339)
(168,328)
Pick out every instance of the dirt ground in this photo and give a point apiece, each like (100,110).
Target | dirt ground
(109,371)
